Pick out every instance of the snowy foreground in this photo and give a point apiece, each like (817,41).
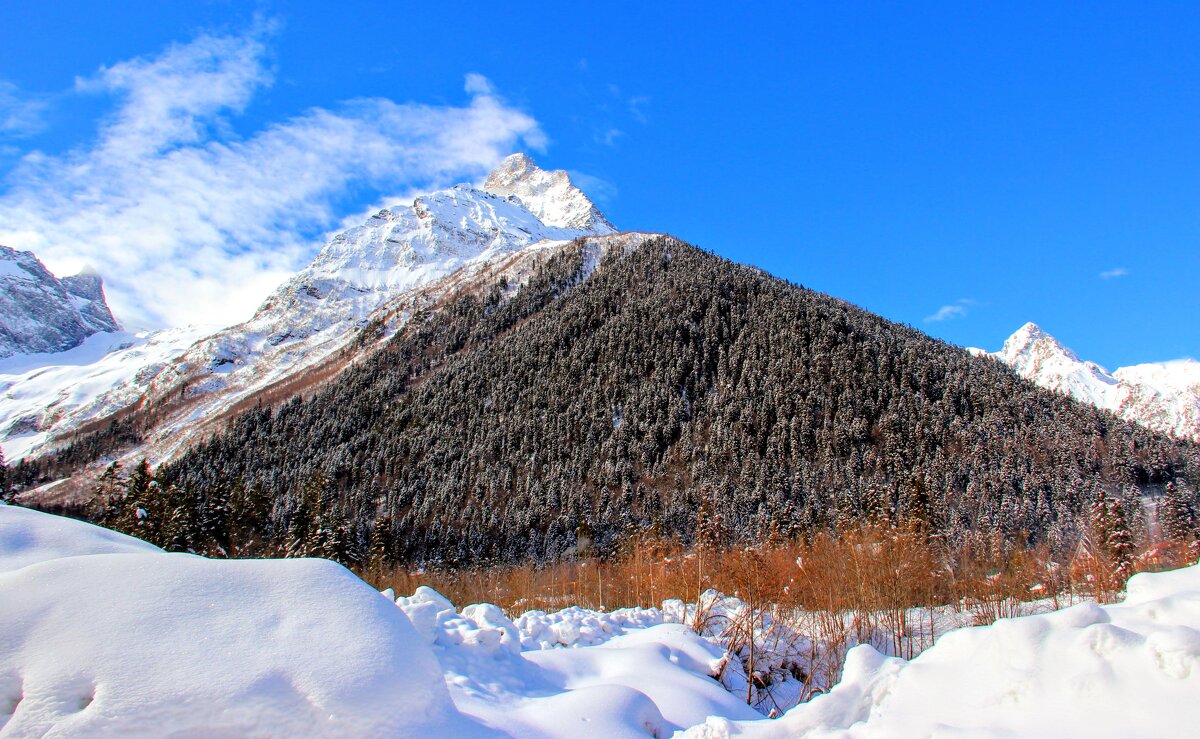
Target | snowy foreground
(104,635)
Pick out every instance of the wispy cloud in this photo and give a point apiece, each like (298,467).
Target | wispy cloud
(188,222)
(609,136)
(951,311)
(20,114)
(597,188)
(637,107)
(1115,272)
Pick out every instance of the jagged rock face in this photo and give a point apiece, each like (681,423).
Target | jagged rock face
(88,288)
(40,313)
(1163,396)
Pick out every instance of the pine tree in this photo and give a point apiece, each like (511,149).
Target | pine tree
(379,549)
(107,500)
(915,511)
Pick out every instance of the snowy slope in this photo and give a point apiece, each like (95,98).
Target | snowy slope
(46,394)
(1162,396)
(402,259)
(41,313)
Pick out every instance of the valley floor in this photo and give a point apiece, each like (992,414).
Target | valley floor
(105,635)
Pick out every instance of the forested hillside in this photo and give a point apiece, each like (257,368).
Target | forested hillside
(668,387)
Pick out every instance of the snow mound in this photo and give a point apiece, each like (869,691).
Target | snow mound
(576,672)
(29,537)
(1122,670)
(152,644)
(577,626)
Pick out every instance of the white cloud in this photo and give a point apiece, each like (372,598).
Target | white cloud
(952,311)
(477,84)
(20,115)
(189,223)
(1113,273)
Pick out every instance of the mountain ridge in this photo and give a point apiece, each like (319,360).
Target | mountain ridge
(670,385)
(401,250)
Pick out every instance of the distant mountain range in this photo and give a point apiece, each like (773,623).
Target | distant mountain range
(1164,396)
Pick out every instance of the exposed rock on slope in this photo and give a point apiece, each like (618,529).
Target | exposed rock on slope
(40,313)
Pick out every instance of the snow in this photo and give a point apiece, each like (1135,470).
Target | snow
(550,196)
(1164,396)
(1131,669)
(576,672)
(42,313)
(10,268)
(28,537)
(126,643)
(1173,377)
(103,635)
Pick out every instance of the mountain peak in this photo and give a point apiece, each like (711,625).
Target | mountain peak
(549,195)
(1031,339)
(1164,396)
(513,166)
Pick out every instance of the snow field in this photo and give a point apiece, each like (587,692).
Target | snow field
(104,635)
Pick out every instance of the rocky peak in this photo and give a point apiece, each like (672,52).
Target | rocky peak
(551,196)
(41,313)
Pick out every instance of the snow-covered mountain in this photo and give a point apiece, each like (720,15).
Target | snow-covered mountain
(1164,396)
(42,313)
(401,260)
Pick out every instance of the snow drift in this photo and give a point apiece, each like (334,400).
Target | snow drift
(104,635)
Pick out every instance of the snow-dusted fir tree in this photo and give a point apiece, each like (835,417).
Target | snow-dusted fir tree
(1112,536)
(1177,520)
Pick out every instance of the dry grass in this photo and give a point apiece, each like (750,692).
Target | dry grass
(885,572)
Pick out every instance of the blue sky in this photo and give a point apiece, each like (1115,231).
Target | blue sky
(961,169)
